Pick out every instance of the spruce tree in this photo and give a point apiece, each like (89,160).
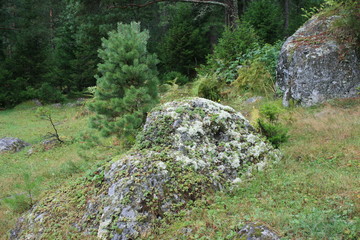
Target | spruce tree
(184,46)
(126,82)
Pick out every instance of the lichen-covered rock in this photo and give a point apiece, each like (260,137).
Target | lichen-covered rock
(313,66)
(254,231)
(187,149)
(10,144)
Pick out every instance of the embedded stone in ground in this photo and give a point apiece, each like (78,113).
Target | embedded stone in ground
(10,144)
(254,231)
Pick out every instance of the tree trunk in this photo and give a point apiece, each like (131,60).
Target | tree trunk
(232,12)
(286,15)
(243,7)
(52,28)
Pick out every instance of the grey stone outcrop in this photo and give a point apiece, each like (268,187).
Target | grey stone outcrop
(10,144)
(187,149)
(314,67)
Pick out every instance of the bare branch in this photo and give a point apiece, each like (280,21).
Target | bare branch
(56,132)
(206,2)
(4,28)
(136,5)
(213,2)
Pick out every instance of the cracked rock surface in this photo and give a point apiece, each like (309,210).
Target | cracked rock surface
(314,67)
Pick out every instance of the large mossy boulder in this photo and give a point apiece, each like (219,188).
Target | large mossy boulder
(319,62)
(187,149)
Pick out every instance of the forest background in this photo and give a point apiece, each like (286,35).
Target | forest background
(49,49)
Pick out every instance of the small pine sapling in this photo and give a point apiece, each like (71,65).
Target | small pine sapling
(28,189)
(126,83)
(270,126)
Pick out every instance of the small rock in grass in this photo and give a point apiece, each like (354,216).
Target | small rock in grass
(10,144)
(254,231)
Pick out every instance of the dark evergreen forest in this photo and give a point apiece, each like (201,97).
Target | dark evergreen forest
(49,49)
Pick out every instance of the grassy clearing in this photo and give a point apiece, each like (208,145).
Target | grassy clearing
(52,166)
(314,193)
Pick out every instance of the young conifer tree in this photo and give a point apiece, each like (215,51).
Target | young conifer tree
(126,82)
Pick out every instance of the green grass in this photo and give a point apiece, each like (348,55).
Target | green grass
(314,193)
(53,165)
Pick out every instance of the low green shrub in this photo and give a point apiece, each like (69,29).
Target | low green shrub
(276,133)
(235,43)
(228,53)
(255,78)
(269,124)
(175,77)
(49,94)
(208,87)
(253,71)
(267,54)
(271,111)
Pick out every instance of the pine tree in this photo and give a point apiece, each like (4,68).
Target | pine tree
(184,46)
(265,16)
(126,83)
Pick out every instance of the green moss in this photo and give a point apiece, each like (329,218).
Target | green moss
(65,206)
(197,111)
(180,110)
(157,134)
(257,232)
(182,181)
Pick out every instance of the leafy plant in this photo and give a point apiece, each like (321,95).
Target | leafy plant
(267,54)
(229,71)
(325,6)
